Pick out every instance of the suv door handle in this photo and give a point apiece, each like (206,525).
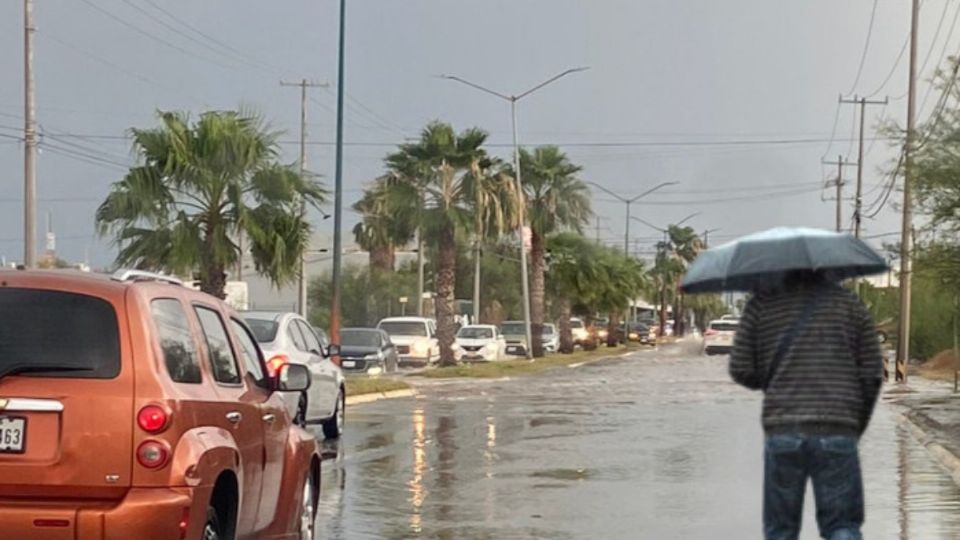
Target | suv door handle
(234,417)
(269,418)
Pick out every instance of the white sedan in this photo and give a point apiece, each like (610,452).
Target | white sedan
(479,343)
(288,338)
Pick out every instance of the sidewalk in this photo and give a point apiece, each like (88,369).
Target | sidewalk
(932,414)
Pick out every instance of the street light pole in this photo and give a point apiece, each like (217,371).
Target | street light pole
(628,201)
(338,187)
(513,99)
(525,277)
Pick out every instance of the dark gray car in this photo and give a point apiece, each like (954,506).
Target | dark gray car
(367,350)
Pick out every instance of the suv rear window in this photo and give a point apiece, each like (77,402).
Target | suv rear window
(724,326)
(404,328)
(75,333)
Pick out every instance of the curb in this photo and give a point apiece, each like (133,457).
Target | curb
(947,460)
(377,396)
(601,359)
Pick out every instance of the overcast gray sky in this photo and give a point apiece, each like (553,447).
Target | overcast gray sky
(687,72)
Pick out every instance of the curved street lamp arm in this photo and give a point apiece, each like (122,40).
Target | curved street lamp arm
(651,190)
(548,81)
(608,192)
(477,86)
(648,224)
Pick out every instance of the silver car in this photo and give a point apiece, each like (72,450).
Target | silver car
(288,338)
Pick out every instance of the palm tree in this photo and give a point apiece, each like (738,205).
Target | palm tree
(381,229)
(199,186)
(429,179)
(556,201)
(572,278)
(685,245)
(620,279)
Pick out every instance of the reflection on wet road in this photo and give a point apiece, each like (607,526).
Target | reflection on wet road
(658,445)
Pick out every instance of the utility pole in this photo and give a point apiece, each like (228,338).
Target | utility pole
(29,143)
(903,338)
(840,163)
(598,229)
(338,183)
(858,201)
(302,284)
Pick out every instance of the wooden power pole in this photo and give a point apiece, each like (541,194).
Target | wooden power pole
(906,240)
(302,284)
(840,163)
(29,143)
(858,201)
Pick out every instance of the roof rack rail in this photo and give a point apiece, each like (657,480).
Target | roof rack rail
(126,274)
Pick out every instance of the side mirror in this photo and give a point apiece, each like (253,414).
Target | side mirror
(293,378)
(333,350)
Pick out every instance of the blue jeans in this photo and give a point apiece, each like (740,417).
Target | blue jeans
(832,463)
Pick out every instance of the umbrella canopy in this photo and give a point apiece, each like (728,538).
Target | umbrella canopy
(763,259)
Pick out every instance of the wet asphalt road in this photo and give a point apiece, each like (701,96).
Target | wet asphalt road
(657,445)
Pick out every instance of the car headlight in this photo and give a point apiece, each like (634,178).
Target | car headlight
(375,356)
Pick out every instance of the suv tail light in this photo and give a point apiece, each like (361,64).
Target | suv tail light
(274,364)
(153,454)
(710,332)
(153,419)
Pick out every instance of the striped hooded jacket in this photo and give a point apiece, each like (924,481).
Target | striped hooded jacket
(829,379)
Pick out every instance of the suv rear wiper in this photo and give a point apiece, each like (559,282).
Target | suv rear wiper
(40,368)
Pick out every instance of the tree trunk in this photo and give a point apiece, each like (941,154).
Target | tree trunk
(566,335)
(213,280)
(381,259)
(679,321)
(663,310)
(444,303)
(537,301)
(612,329)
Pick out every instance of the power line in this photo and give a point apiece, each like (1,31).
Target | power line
(943,53)
(866,48)
(155,38)
(172,28)
(225,46)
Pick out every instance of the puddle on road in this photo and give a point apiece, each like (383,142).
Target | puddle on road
(573,475)
(632,451)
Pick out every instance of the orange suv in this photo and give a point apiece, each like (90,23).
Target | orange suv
(133,408)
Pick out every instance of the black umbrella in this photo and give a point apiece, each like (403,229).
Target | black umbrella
(763,259)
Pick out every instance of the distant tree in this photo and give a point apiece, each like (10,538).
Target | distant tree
(381,228)
(557,200)
(572,278)
(428,179)
(198,186)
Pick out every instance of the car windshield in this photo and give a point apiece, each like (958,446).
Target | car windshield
(549,330)
(726,326)
(404,328)
(474,332)
(359,338)
(513,329)
(58,334)
(576,324)
(265,331)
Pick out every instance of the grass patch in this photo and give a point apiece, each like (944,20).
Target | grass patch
(513,368)
(357,386)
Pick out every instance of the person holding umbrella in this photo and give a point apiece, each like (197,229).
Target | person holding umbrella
(811,347)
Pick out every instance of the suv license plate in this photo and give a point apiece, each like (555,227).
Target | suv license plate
(13,434)
(349,364)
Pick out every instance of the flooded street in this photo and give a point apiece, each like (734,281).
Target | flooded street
(655,445)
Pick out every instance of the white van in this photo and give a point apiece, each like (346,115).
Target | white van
(415,339)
